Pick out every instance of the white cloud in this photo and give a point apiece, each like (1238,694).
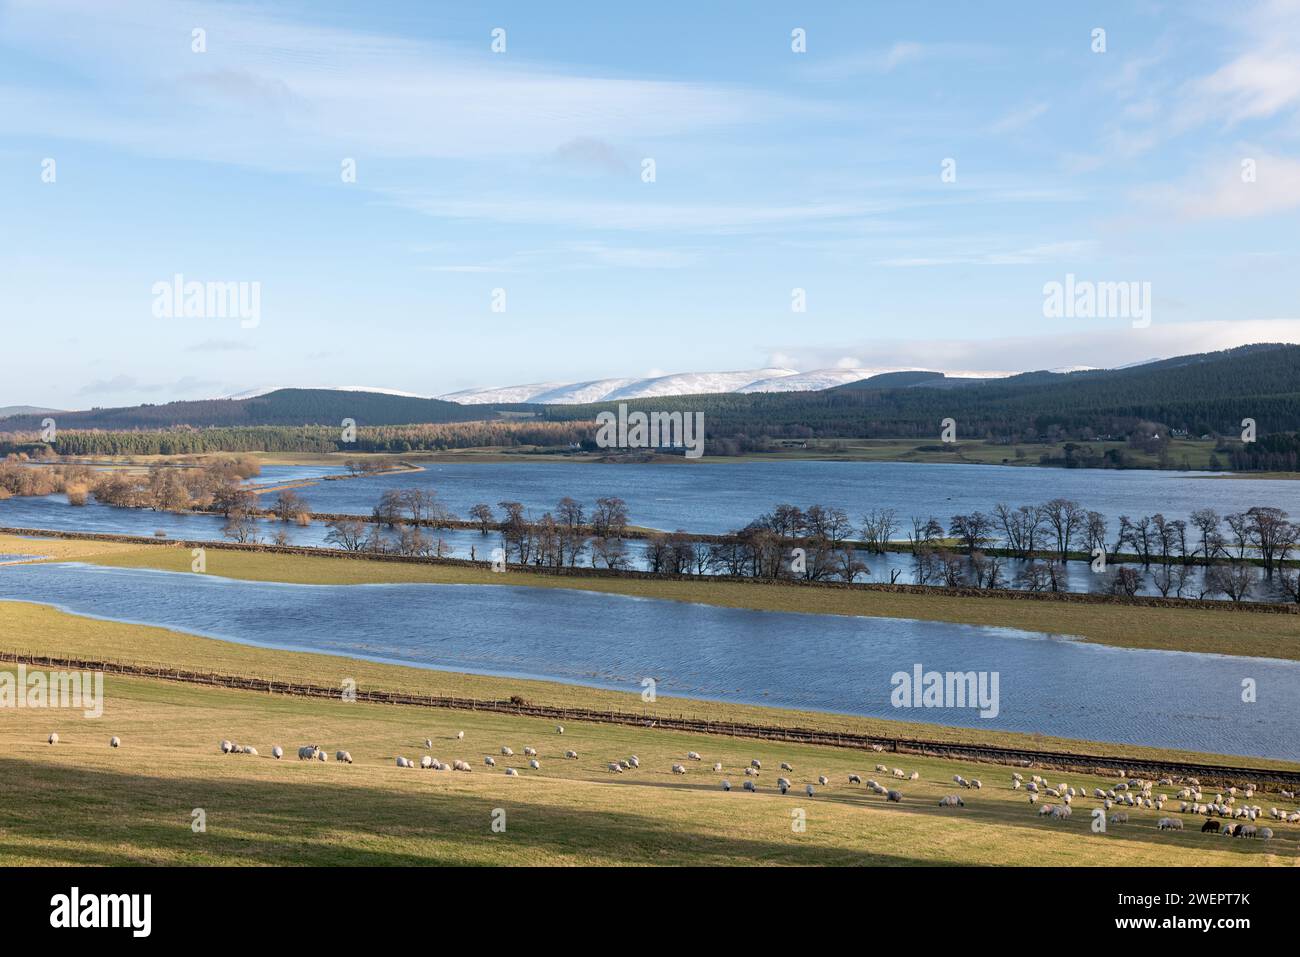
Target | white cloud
(1218,192)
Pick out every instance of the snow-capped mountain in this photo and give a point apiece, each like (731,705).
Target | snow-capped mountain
(615,389)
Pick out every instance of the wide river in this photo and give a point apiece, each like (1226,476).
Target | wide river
(1046,684)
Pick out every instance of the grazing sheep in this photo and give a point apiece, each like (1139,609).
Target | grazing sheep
(490,761)
(751,786)
(530,752)
(914,776)
(854,779)
(1032,787)
(426,762)
(403,762)
(717,765)
(320,756)
(1033,798)
(535,764)
(616,767)
(956,779)
(823,780)
(679,769)
(783,784)
(756,764)
(559,729)
(114,742)
(1247,830)
(877,747)
(952,800)
(786,767)
(1046,809)
(898,773)
(54,738)
(428,742)
(1266,834)
(277,752)
(460,735)
(226,746)
(346,758)
(882,768)
(1211,827)
(571,755)
(459,765)
(249,749)
(693,756)
(810,790)
(1119,817)
(750,772)
(726,785)
(511,773)
(976,783)
(305,753)
(894,796)
(633,761)
(1015,784)
(1170,824)
(508,752)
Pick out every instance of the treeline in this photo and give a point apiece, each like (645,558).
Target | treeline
(377,439)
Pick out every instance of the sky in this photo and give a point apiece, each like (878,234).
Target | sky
(920,171)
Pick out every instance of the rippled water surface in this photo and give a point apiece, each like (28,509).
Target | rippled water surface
(1047,684)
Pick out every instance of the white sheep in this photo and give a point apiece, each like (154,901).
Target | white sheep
(511,773)
(114,742)
(320,756)
(277,752)
(426,762)
(882,768)
(783,784)
(507,752)
(1119,817)
(343,756)
(530,752)
(1170,824)
(914,776)
(976,783)
(226,746)
(717,765)
(756,764)
(823,780)
(1265,833)
(559,729)
(952,800)
(490,761)
(810,791)
(249,749)
(401,761)
(459,765)
(460,735)
(693,756)
(571,755)
(54,738)
(633,761)
(726,785)
(428,742)
(894,796)
(305,753)
(751,786)
(786,767)
(616,767)
(535,764)
(679,769)
(855,779)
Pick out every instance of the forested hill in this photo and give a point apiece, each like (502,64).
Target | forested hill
(282,407)
(1198,394)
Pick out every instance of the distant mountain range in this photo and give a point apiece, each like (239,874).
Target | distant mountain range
(1197,394)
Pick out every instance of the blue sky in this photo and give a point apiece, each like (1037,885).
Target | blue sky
(522,171)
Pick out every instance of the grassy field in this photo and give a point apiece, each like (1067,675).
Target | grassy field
(1191,629)
(80,802)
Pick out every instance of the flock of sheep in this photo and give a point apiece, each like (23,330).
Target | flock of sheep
(1133,793)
